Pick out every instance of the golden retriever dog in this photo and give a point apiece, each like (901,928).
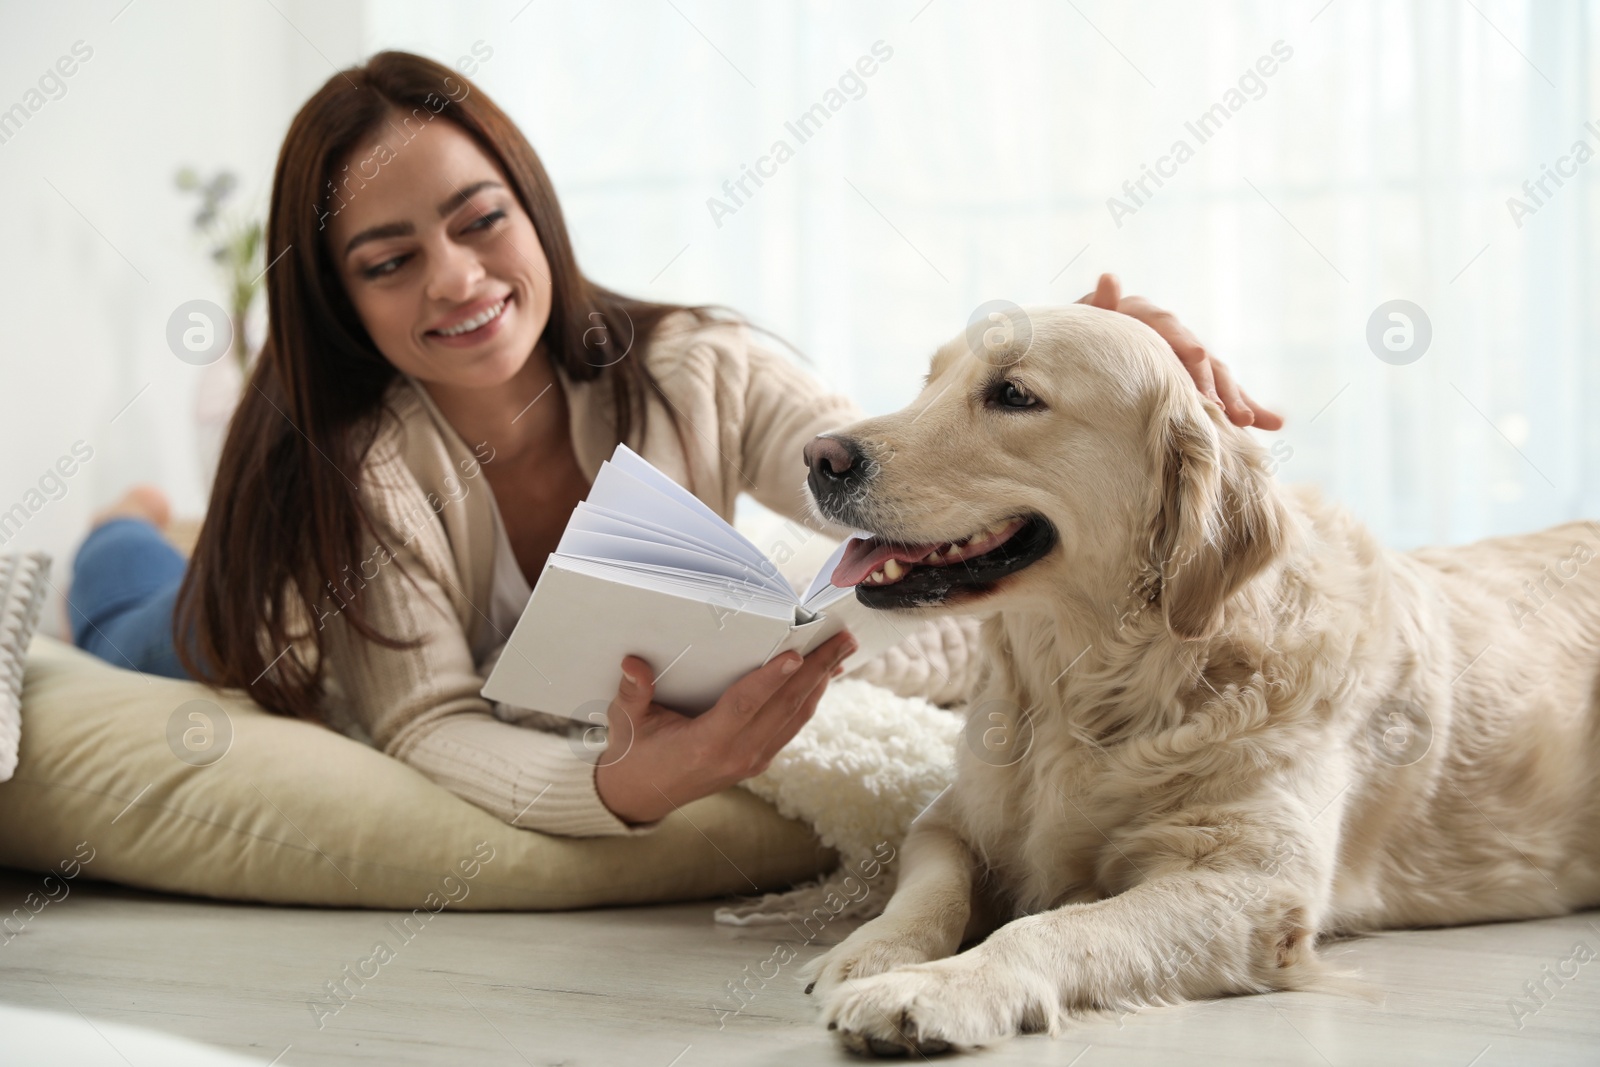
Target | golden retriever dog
(1215,722)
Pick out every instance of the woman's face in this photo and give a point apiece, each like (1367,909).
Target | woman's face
(438,257)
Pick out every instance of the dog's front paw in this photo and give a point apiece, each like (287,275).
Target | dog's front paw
(873,949)
(959,1002)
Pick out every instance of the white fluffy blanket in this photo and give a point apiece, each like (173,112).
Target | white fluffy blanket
(866,764)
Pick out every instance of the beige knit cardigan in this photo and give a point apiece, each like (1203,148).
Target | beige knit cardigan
(745,413)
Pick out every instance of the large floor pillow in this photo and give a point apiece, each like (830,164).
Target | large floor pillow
(110,785)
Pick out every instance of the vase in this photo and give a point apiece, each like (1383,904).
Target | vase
(216,397)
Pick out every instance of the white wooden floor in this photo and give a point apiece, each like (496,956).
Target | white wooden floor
(112,976)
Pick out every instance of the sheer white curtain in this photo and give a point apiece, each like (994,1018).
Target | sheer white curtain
(1350,154)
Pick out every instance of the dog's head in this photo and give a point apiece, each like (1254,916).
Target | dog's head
(1063,456)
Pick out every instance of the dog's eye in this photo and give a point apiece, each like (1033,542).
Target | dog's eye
(1011,395)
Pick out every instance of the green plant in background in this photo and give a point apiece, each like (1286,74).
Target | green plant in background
(236,248)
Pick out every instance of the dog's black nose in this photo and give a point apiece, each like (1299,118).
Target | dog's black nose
(840,474)
(833,462)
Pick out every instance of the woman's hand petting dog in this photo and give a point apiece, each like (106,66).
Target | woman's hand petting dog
(1209,372)
(659,759)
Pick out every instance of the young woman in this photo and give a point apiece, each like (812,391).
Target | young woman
(438,388)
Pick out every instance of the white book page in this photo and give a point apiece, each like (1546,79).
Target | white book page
(822,591)
(630,462)
(717,570)
(619,491)
(728,596)
(592,520)
(594,517)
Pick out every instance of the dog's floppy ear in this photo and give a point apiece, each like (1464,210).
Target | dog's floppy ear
(1219,521)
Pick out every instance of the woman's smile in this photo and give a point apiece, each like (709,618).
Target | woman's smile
(475,323)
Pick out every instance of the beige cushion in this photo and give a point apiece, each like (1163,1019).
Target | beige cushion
(293,813)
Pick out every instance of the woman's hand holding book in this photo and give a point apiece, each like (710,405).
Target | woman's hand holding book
(658,760)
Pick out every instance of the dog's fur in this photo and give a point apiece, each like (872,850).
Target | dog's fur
(1216,722)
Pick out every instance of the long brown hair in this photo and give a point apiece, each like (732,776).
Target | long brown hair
(285,515)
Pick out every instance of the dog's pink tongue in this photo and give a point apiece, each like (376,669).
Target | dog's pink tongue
(863,555)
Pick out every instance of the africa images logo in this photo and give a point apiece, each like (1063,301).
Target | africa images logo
(1252,85)
(52,85)
(1536,192)
(802,129)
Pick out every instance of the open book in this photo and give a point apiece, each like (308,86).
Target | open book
(645,568)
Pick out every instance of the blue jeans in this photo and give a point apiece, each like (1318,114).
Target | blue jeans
(124,585)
